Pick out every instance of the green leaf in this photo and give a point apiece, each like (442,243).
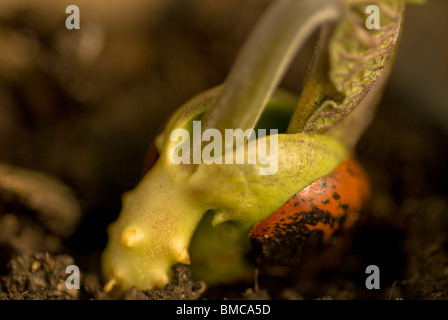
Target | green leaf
(350,67)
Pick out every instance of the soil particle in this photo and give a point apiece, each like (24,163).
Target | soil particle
(182,288)
(37,276)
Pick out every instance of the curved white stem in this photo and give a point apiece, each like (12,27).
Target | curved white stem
(264,59)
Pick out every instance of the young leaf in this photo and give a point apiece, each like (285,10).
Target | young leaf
(349,69)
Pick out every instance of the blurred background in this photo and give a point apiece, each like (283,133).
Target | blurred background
(84,105)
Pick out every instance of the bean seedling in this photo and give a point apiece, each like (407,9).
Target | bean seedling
(200,211)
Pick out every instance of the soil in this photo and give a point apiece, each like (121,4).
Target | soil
(76,129)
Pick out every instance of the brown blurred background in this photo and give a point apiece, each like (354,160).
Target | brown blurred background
(84,105)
